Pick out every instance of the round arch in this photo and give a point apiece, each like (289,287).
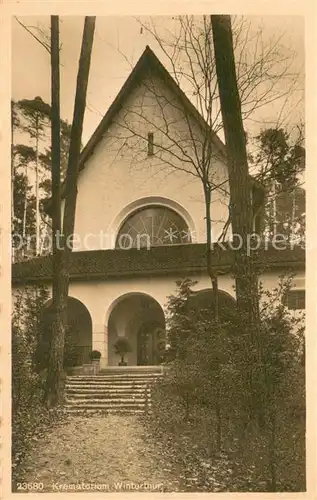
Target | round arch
(149,202)
(203,300)
(78,338)
(123,296)
(139,318)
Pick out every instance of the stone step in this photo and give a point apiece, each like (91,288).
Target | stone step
(133,369)
(107,397)
(100,380)
(117,382)
(115,376)
(106,401)
(105,387)
(106,404)
(103,411)
(108,383)
(106,390)
(121,391)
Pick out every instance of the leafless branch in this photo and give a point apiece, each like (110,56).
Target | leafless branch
(29,30)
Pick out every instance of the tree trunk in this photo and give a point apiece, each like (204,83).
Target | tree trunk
(12,177)
(214,282)
(77,126)
(211,273)
(240,189)
(59,302)
(218,415)
(274,215)
(24,213)
(293,231)
(61,258)
(43,238)
(37,209)
(272,453)
(244,269)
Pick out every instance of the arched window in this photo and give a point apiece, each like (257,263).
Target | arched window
(154,225)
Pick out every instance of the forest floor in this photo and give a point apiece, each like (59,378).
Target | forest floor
(98,453)
(116,453)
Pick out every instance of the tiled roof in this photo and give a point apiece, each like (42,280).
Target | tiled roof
(181,260)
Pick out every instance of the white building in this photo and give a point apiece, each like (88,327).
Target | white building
(140,219)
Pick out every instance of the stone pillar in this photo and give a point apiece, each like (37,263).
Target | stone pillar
(106,346)
(100,343)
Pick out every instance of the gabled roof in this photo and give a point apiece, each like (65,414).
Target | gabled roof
(175,260)
(147,61)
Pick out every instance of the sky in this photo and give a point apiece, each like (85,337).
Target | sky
(118,44)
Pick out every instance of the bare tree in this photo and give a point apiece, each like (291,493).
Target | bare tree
(184,135)
(237,161)
(38,33)
(245,271)
(179,131)
(264,67)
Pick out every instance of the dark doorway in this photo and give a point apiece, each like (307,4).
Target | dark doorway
(150,344)
(78,337)
(139,318)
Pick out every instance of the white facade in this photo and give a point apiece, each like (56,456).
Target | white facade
(118,178)
(100,298)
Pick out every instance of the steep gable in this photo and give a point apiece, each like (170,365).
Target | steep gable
(147,65)
(116,169)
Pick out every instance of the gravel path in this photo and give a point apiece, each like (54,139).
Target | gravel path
(99,453)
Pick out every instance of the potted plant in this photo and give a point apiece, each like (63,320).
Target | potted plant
(95,359)
(122,347)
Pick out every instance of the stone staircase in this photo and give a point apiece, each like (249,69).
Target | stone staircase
(123,390)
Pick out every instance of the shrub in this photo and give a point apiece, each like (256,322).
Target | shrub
(95,355)
(29,415)
(122,346)
(206,400)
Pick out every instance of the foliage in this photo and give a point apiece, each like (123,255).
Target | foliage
(205,402)
(28,412)
(95,355)
(24,204)
(46,158)
(281,161)
(122,346)
(31,122)
(179,317)
(37,111)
